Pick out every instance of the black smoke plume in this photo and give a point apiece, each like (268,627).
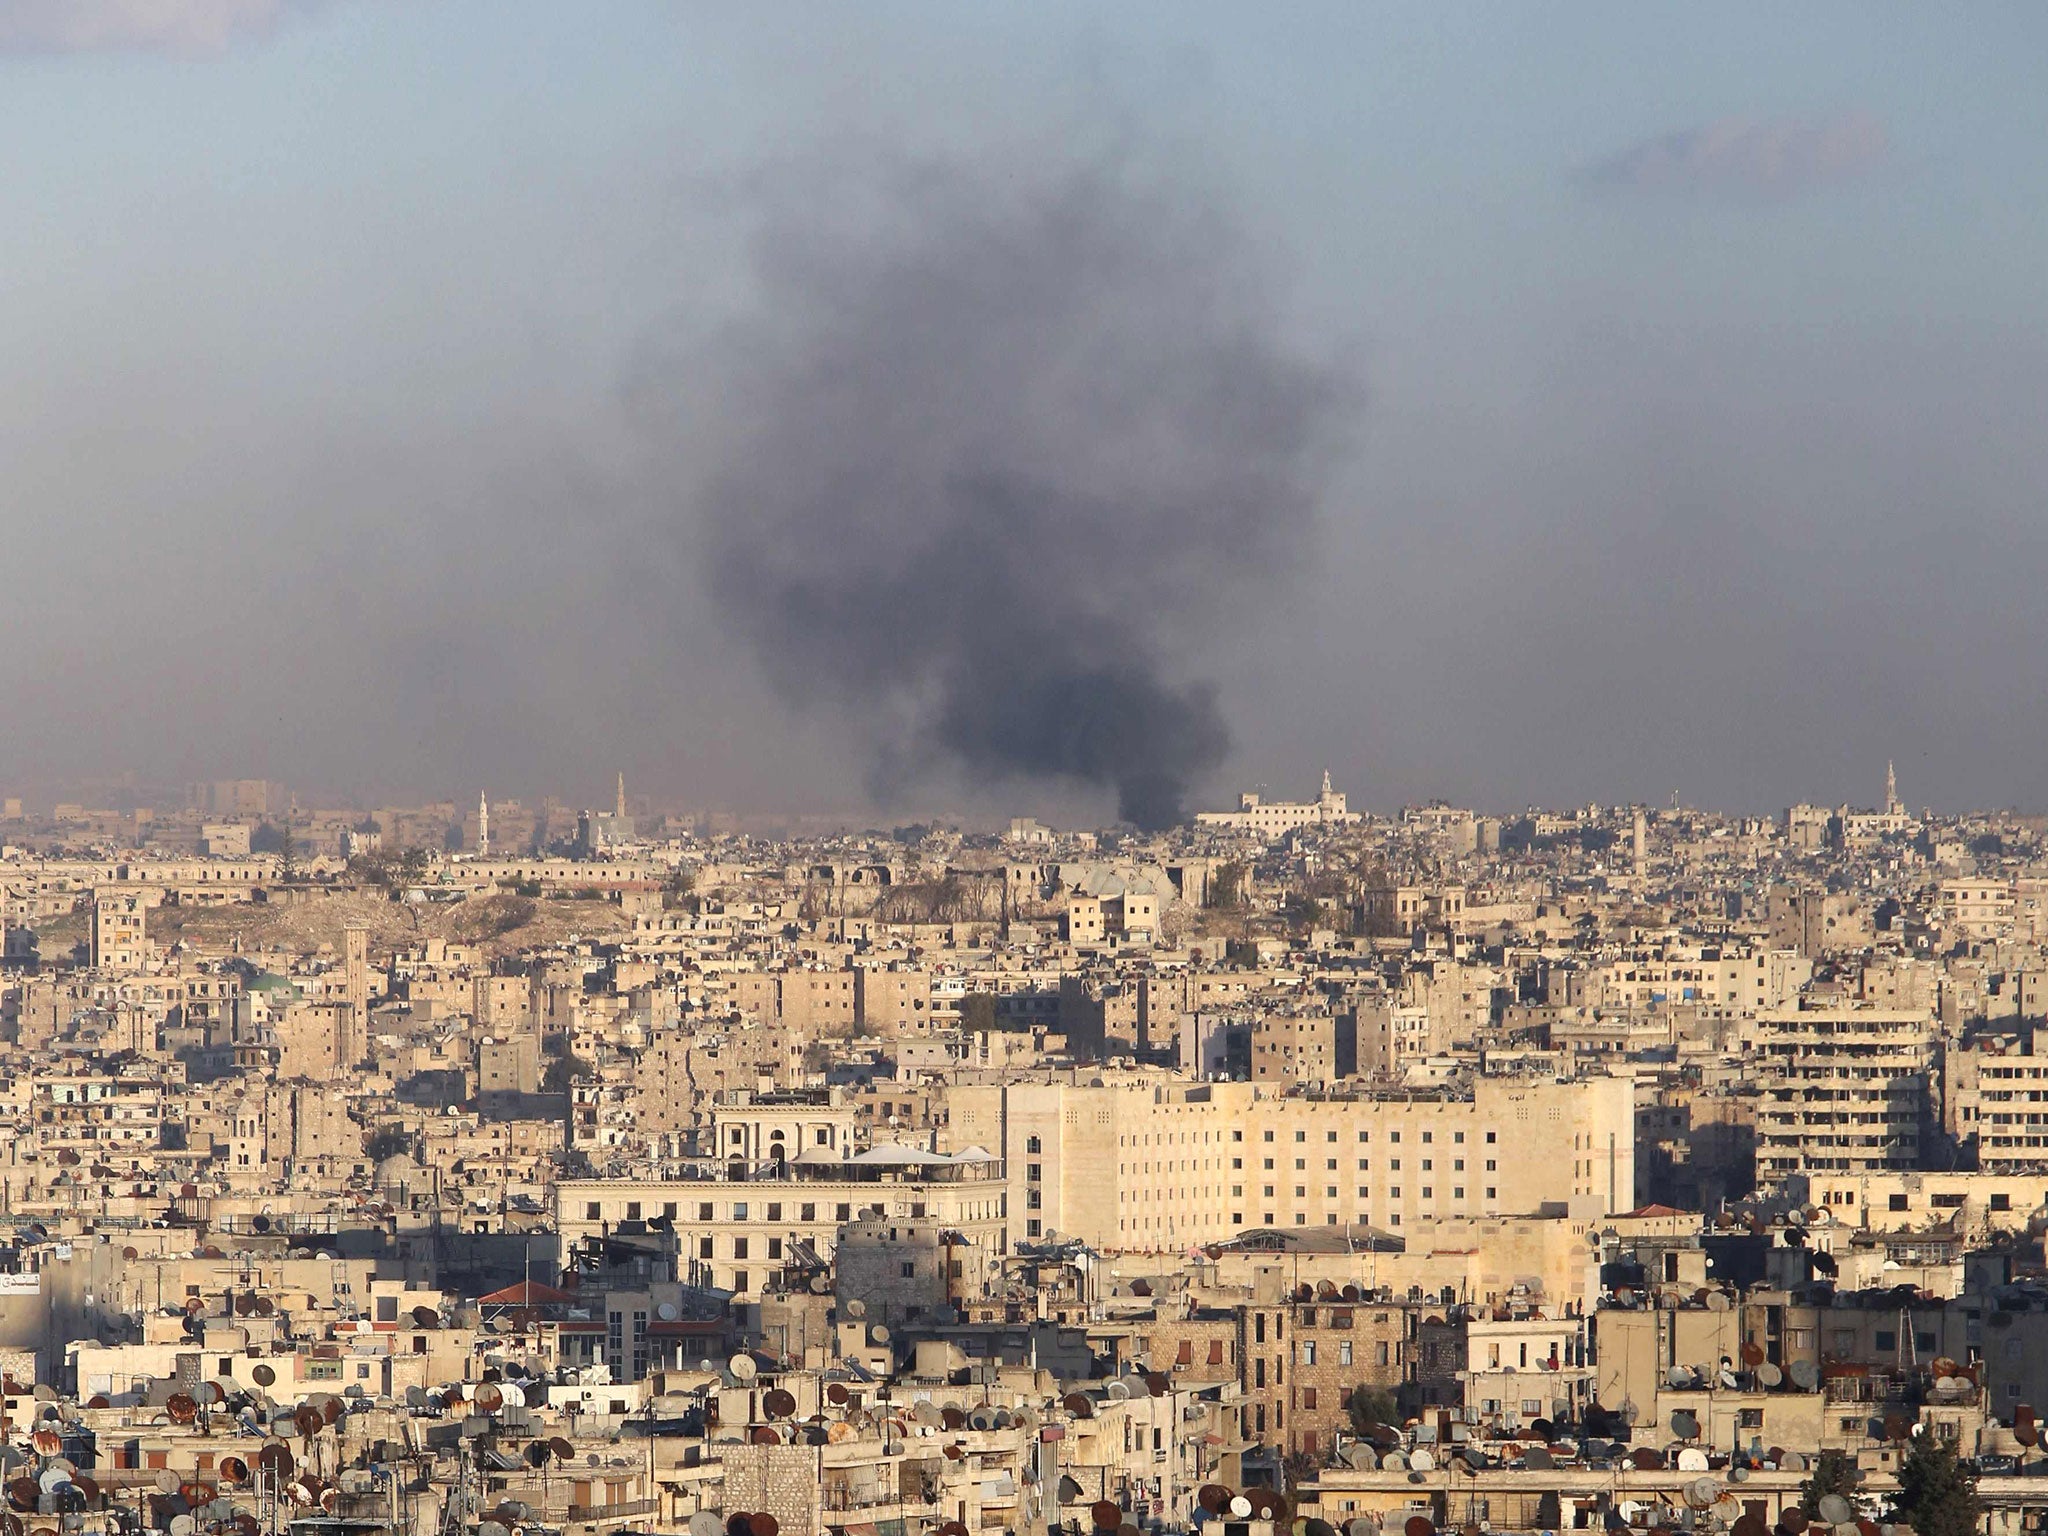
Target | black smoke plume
(1005,449)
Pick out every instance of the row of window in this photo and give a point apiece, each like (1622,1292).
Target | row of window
(771,1210)
(1031,1143)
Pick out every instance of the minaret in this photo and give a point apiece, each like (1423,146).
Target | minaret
(620,809)
(483,825)
(1891,790)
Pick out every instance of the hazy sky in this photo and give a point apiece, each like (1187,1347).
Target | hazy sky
(363,366)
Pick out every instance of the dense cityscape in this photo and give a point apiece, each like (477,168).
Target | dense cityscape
(611,1169)
(931,769)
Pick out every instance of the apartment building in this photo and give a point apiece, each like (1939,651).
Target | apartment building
(1977,909)
(1996,1096)
(1844,1090)
(783,1182)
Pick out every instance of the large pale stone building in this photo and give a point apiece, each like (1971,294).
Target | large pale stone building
(1276,818)
(1151,1163)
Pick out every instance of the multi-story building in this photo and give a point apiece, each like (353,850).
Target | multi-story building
(1276,818)
(118,943)
(1156,1163)
(1843,1090)
(784,1173)
(1977,909)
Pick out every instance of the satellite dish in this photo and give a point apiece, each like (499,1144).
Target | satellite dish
(667,1312)
(1422,1461)
(1769,1375)
(705,1523)
(1835,1509)
(1805,1375)
(854,1307)
(879,1334)
(743,1367)
(1240,1507)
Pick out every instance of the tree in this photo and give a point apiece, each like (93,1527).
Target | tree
(1368,1406)
(1937,1495)
(1226,887)
(1834,1472)
(287,854)
(1304,913)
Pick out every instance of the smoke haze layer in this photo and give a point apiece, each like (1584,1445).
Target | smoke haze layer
(1005,449)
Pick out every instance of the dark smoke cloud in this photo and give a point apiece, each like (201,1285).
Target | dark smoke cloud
(1005,449)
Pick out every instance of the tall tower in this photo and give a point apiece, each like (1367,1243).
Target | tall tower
(355,974)
(483,824)
(619,810)
(1891,790)
(1642,839)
